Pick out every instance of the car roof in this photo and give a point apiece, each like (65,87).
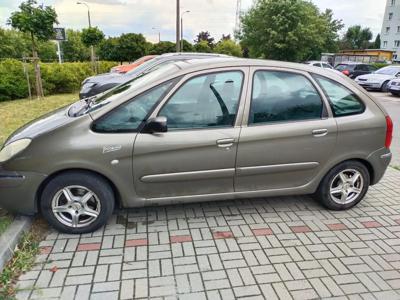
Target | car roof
(352,63)
(194,65)
(193,54)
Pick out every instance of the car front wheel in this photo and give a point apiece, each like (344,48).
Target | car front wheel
(344,186)
(77,202)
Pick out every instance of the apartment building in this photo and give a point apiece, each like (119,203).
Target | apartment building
(390,34)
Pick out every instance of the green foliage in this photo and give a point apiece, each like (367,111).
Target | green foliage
(108,49)
(12,80)
(379,65)
(187,47)
(357,37)
(163,47)
(291,30)
(35,20)
(205,36)
(73,48)
(377,43)
(203,47)
(131,46)
(92,36)
(229,47)
(57,78)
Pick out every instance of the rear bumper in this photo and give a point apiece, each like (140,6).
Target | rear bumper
(380,161)
(18,191)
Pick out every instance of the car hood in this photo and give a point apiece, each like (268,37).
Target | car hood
(42,125)
(375,77)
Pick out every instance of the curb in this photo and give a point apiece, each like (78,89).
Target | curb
(10,238)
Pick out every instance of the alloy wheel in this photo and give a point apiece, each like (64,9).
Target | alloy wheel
(76,206)
(346,186)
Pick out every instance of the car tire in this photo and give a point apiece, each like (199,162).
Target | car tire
(77,202)
(385,87)
(332,190)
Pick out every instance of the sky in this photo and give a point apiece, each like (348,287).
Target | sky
(149,17)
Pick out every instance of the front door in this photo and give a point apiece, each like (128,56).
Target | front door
(196,156)
(288,135)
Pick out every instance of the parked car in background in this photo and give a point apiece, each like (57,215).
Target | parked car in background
(198,130)
(320,64)
(354,69)
(394,87)
(379,80)
(126,68)
(94,85)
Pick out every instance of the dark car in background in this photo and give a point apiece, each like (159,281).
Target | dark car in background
(354,69)
(95,85)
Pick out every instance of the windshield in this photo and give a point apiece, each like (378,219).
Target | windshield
(388,71)
(91,104)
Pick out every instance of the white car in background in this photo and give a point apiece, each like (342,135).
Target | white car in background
(379,80)
(321,64)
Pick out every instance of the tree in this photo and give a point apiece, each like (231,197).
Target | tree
(332,35)
(187,47)
(131,46)
(357,37)
(228,47)
(285,29)
(377,43)
(73,48)
(108,49)
(37,21)
(14,44)
(205,36)
(92,37)
(163,47)
(203,47)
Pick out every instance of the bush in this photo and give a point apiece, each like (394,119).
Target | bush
(57,78)
(379,65)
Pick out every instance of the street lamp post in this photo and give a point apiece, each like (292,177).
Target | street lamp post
(90,26)
(178,15)
(188,11)
(159,33)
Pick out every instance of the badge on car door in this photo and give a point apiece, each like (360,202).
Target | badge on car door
(111,148)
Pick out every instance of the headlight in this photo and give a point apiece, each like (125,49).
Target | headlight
(13,149)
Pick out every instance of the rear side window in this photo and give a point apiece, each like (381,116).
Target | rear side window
(343,101)
(283,97)
(343,67)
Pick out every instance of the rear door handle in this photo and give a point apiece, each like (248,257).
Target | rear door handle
(320,132)
(225,143)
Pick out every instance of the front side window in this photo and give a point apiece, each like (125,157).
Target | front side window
(205,101)
(283,96)
(343,101)
(129,116)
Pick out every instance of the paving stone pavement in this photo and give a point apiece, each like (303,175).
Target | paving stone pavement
(274,248)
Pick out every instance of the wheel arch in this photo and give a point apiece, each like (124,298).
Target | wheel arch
(59,172)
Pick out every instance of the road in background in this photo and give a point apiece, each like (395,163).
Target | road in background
(392,105)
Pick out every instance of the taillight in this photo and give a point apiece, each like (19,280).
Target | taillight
(389,132)
(346,72)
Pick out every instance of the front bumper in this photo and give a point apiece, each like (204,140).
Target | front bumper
(18,191)
(369,85)
(380,161)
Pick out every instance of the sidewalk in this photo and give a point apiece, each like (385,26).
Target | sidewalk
(287,248)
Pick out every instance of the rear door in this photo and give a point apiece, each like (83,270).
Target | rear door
(288,132)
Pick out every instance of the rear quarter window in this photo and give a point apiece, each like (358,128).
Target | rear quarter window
(342,100)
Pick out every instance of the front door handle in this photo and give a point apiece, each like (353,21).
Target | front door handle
(225,143)
(320,132)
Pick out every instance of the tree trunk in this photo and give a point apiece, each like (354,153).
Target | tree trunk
(38,77)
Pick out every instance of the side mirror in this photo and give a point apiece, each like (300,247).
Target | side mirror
(154,125)
(398,75)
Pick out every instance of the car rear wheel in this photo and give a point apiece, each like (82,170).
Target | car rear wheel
(344,186)
(77,202)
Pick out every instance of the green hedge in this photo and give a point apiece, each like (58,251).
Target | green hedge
(57,78)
